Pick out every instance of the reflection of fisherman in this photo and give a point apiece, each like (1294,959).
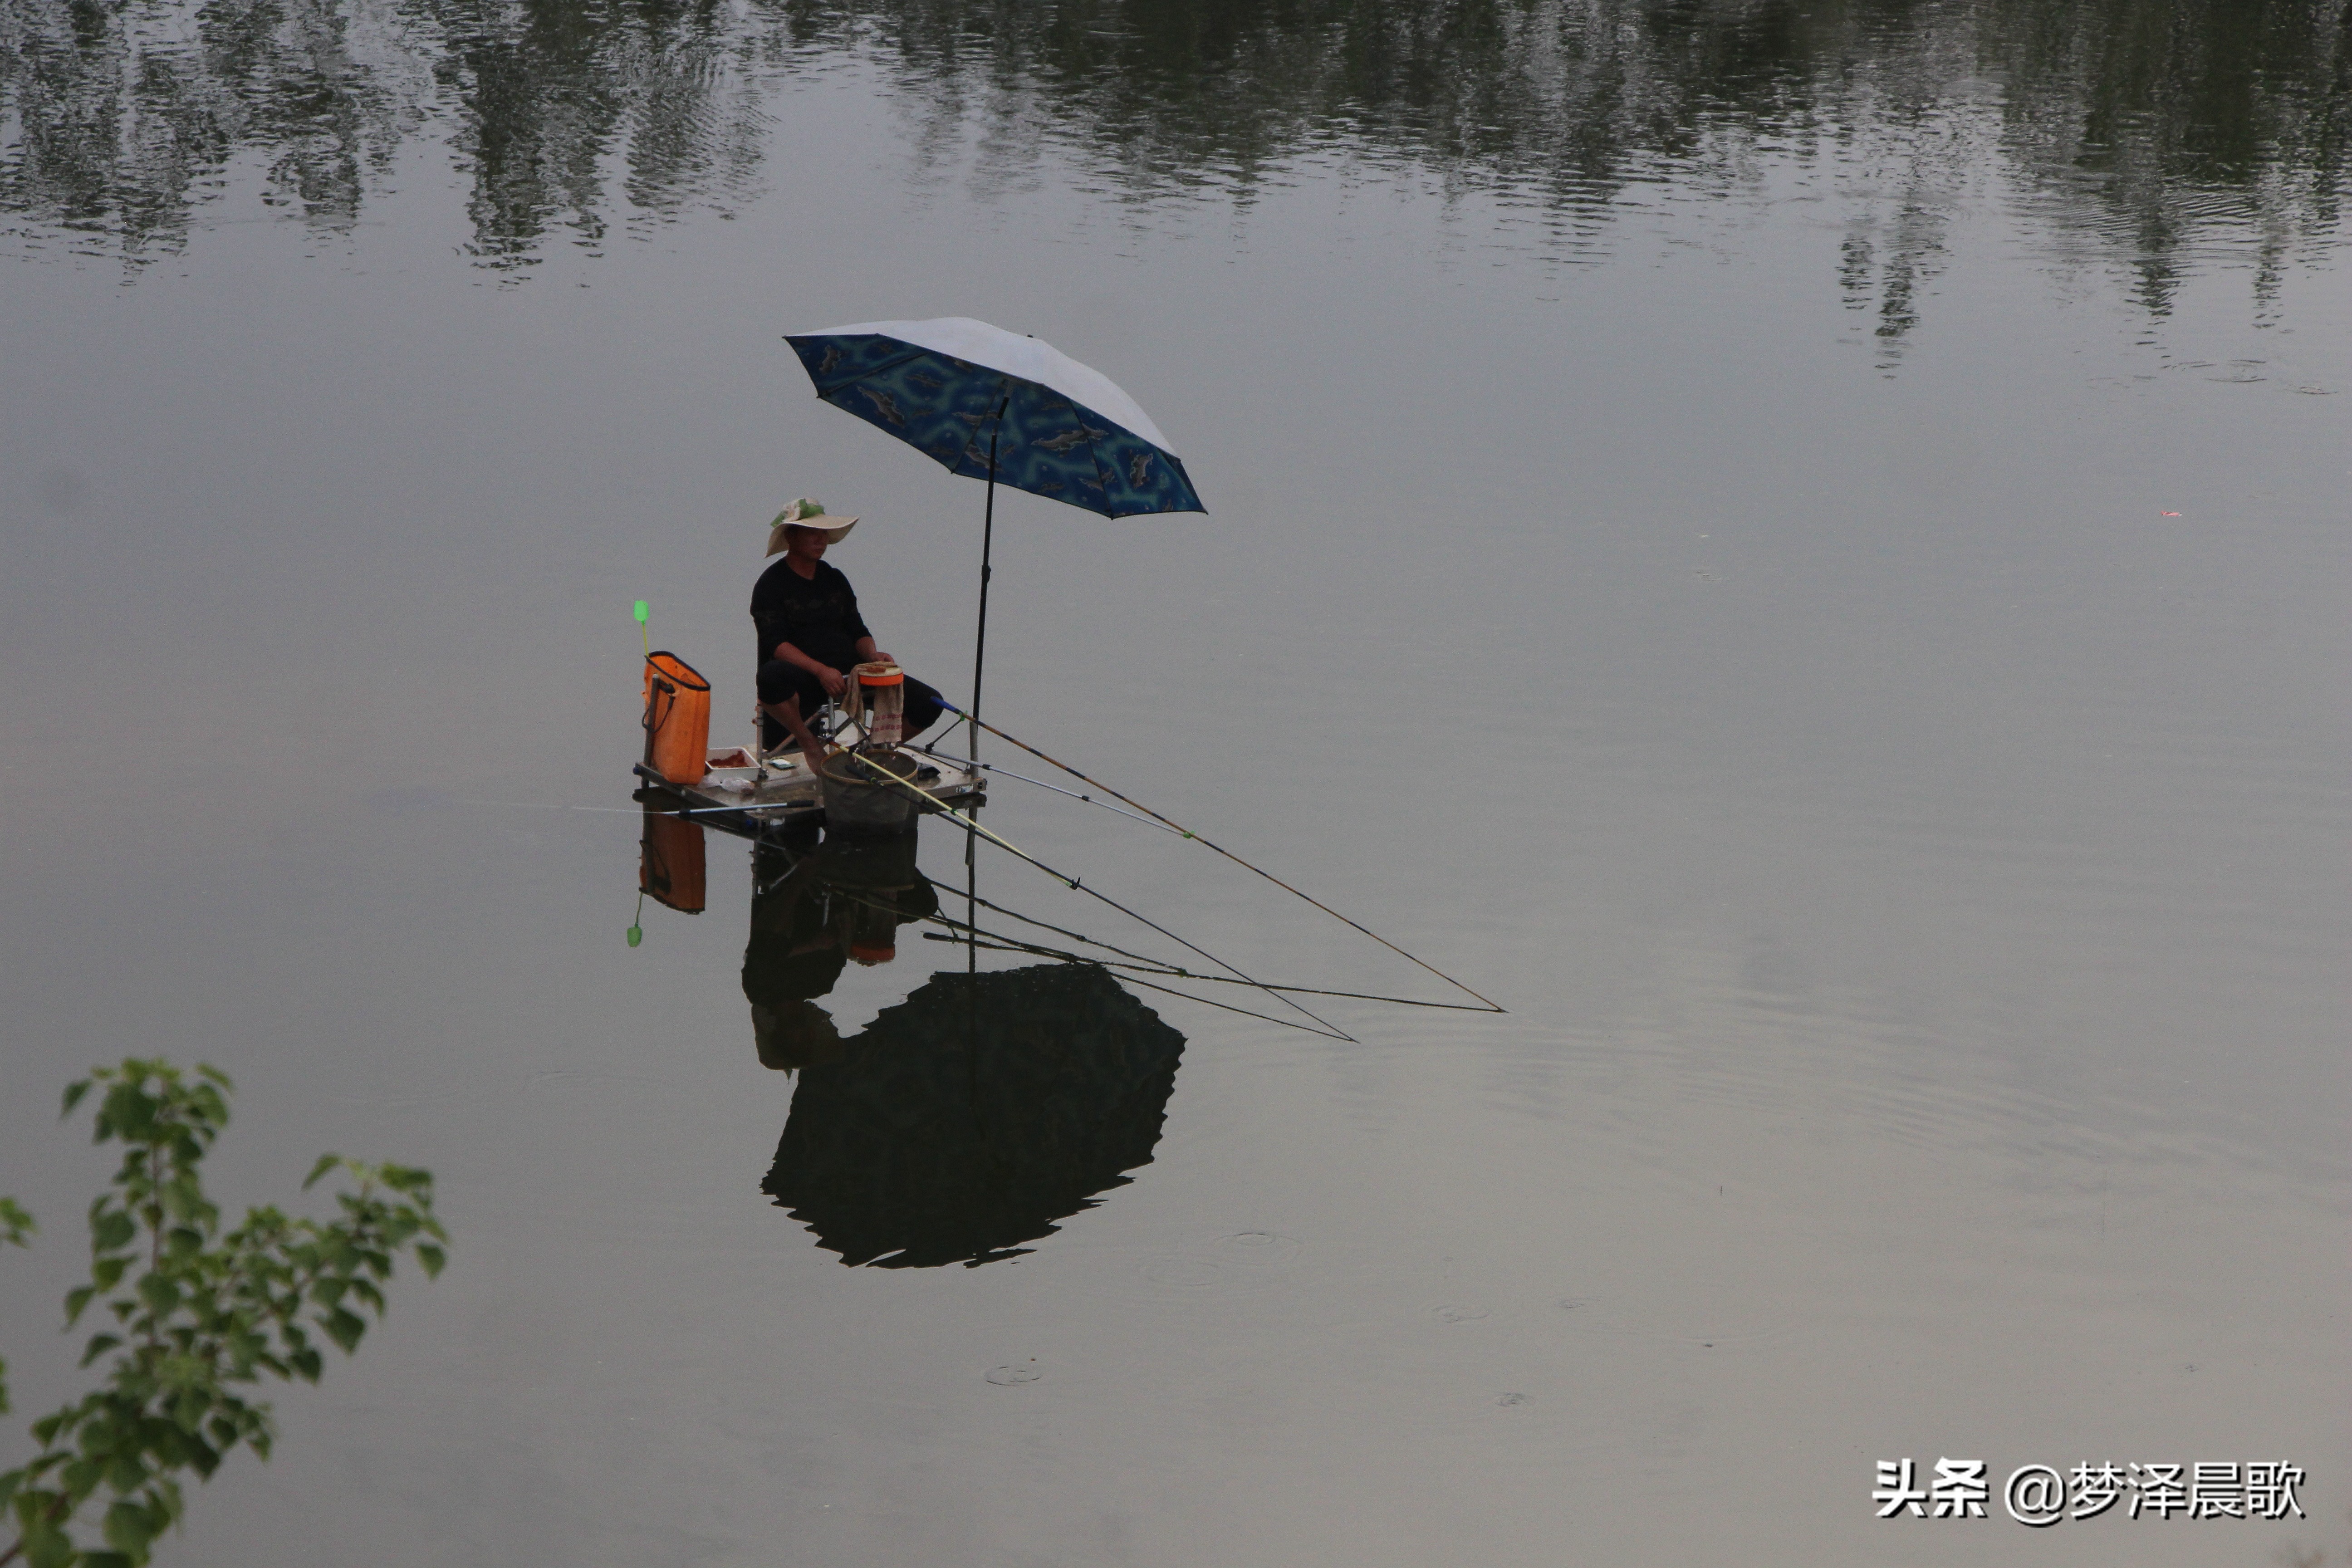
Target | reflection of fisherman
(834,906)
(811,635)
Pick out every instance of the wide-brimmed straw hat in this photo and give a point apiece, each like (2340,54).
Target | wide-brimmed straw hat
(807,513)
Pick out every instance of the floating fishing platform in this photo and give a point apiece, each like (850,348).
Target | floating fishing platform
(740,796)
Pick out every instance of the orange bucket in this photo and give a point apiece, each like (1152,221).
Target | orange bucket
(677,718)
(882,698)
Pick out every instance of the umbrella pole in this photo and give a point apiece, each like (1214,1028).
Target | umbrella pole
(987,544)
(979,663)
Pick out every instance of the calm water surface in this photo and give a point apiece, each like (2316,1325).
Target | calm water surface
(1800,548)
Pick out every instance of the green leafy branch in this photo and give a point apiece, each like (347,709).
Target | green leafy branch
(16,1225)
(195,1315)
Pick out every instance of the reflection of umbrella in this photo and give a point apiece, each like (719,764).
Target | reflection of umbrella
(925,1146)
(995,405)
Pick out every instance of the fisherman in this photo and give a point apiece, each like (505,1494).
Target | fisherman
(811,635)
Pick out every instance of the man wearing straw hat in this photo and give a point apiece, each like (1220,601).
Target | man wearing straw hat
(811,635)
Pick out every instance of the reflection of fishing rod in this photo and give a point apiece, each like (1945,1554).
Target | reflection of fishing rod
(997,942)
(1177,970)
(973,829)
(1178,827)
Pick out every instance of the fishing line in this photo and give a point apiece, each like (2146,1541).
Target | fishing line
(1227,1006)
(1041,784)
(1163,990)
(1163,966)
(1075,885)
(657,811)
(1074,936)
(999,942)
(1492,1005)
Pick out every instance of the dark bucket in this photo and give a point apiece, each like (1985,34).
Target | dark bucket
(859,799)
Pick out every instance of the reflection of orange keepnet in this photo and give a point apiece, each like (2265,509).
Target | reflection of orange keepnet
(669,863)
(677,718)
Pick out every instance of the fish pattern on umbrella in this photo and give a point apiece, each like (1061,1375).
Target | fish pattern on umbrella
(945,406)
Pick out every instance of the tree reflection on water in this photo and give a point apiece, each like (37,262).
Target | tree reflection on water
(2138,131)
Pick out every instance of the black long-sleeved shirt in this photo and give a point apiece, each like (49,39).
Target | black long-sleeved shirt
(816,614)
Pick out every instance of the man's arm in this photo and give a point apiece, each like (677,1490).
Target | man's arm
(828,676)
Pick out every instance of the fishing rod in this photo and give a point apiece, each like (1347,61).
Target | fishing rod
(1131,980)
(1041,784)
(1188,974)
(1076,886)
(1492,1005)
(998,941)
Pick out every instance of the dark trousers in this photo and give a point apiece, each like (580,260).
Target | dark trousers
(781,682)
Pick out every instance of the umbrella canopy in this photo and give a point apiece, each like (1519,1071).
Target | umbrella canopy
(1066,431)
(972,1116)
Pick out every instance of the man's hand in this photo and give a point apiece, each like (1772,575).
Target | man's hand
(830,680)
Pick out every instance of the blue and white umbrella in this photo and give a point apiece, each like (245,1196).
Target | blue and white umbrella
(999,406)
(993,404)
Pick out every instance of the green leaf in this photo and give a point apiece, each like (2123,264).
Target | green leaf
(211,1104)
(106,1272)
(326,1164)
(46,1546)
(74,1091)
(98,1345)
(309,1364)
(433,1258)
(345,1326)
(77,1299)
(159,1292)
(128,1113)
(111,1231)
(212,1074)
